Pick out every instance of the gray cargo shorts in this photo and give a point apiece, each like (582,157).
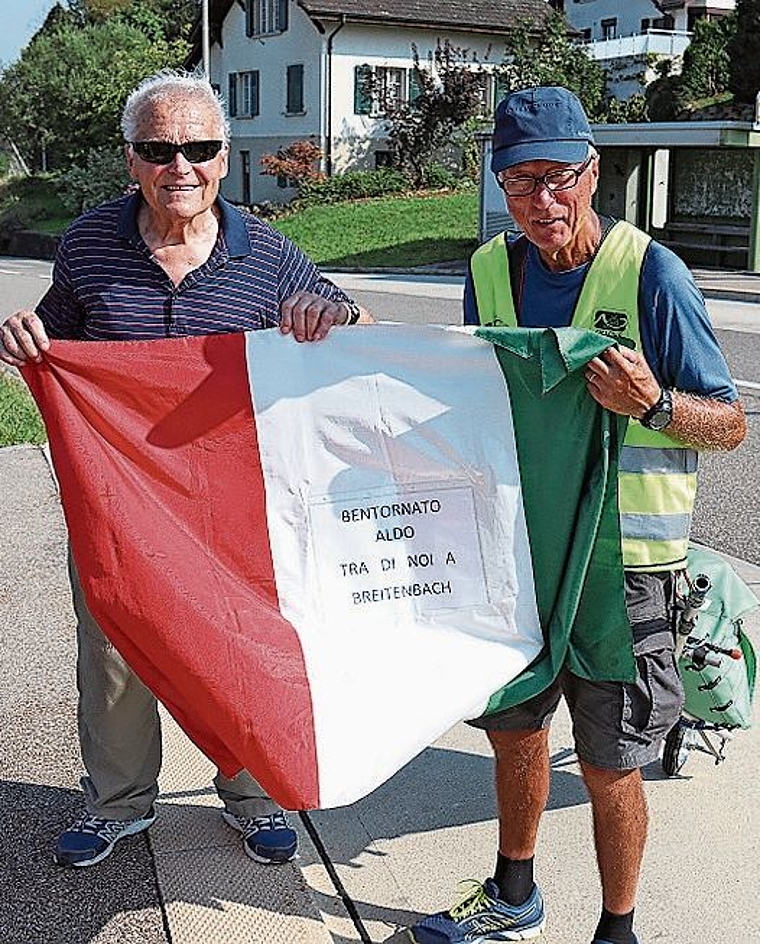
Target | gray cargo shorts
(617,725)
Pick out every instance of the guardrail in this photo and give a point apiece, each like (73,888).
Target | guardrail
(658,42)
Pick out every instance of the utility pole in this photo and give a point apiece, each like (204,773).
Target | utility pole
(205,37)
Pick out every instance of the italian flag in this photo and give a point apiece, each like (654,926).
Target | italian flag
(320,557)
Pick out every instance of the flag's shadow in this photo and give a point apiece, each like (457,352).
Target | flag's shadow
(441,788)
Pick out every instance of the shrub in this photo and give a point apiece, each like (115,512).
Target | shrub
(298,162)
(102,177)
(353,185)
(437,177)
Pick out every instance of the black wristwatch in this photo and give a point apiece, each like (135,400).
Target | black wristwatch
(658,417)
(354,312)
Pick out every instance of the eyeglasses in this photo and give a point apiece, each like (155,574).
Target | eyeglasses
(555,180)
(164,152)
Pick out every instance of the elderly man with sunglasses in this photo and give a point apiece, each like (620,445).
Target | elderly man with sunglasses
(171,259)
(571,266)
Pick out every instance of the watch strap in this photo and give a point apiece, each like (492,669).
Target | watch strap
(664,404)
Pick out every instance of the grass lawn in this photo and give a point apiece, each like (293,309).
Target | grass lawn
(20,421)
(388,231)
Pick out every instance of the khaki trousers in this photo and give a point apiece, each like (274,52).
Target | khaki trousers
(120,732)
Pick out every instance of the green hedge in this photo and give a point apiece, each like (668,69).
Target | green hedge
(353,185)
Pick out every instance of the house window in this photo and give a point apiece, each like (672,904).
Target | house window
(265,17)
(391,86)
(383,159)
(609,28)
(377,87)
(294,99)
(692,15)
(248,94)
(483,87)
(243,94)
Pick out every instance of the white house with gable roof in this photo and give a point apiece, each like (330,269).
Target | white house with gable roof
(295,70)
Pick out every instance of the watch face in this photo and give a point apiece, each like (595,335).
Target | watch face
(659,420)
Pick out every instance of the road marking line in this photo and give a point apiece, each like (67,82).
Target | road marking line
(747,383)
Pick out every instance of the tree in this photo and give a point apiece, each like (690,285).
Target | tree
(64,96)
(706,63)
(552,59)
(171,19)
(704,74)
(444,98)
(743,47)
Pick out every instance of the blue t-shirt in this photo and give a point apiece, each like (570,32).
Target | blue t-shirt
(676,335)
(106,286)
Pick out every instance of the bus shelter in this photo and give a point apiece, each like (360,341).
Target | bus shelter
(694,186)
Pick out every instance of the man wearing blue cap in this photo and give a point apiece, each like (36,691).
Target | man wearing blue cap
(570,266)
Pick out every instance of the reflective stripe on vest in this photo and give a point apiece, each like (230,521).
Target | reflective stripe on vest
(657,480)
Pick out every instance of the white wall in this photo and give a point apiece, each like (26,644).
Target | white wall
(356,137)
(588,14)
(272,127)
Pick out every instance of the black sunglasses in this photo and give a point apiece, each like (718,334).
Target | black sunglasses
(164,152)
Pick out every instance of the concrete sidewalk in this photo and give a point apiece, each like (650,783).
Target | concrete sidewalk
(365,871)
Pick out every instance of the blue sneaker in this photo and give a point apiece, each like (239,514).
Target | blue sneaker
(267,839)
(481,917)
(90,839)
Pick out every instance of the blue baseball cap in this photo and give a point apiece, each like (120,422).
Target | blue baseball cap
(547,123)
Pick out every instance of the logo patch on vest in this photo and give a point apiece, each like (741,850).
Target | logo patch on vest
(610,322)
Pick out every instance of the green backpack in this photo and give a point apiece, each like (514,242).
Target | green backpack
(720,694)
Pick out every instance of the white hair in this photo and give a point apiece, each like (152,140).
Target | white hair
(168,85)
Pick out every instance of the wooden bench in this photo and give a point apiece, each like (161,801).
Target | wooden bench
(686,237)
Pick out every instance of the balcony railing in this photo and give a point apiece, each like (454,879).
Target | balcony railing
(659,42)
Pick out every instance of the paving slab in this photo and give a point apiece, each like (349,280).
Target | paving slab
(119,901)
(400,852)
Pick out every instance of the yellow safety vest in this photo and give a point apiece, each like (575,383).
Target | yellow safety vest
(657,476)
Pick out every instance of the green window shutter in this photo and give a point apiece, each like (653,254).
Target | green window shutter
(282,15)
(295,90)
(232,95)
(255,92)
(362,94)
(501,88)
(415,87)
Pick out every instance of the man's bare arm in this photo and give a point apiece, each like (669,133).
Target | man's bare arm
(621,380)
(704,423)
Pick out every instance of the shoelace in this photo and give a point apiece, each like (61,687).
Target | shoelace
(473,900)
(252,826)
(103,828)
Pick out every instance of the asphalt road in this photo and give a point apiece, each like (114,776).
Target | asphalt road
(727,515)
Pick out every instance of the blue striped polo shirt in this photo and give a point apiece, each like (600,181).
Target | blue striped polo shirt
(106,286)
